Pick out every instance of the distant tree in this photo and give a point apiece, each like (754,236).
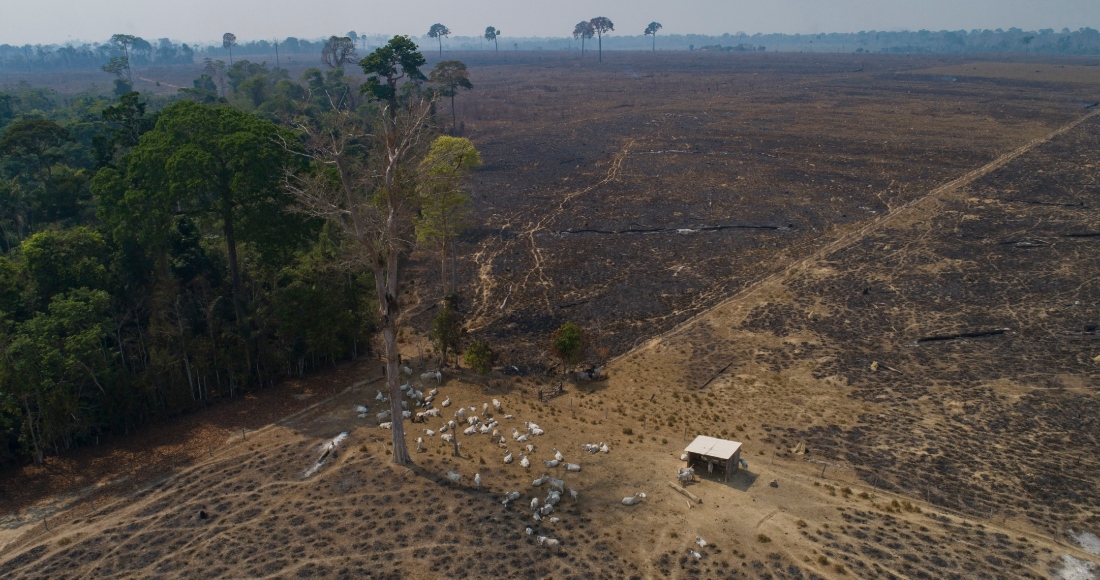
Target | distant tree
(602,25)
(444,206)
(119,65)
(438,31)
(398,60)
(568,343)
(480,357)
(583,30)
(449,76)
(125,41)
(128,119)
(228,40)
(338,51)
(492,33)
(651,30)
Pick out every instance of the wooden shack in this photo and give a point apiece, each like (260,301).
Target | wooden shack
(721,453)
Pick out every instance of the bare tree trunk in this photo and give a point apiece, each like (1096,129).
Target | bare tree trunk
(238,308)
(30,427)
(454,268)
(454,119)
(443,266)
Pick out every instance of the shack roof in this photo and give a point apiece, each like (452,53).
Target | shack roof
(711,447)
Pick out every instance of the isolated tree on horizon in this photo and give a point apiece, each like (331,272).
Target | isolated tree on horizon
(492,33)
(228,40)
(450,76)
(339,51)
(438,31)
(651,30)
(583,30)
(602,25)
(124,41)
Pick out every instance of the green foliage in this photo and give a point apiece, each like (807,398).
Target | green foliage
(446,327)
(444,206)
(60,261)
(480,357)
(569,343)
(36,141)
(387,66)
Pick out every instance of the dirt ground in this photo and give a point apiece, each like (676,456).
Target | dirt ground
(910,355)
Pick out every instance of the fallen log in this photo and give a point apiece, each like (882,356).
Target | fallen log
(685,492)
(945,337)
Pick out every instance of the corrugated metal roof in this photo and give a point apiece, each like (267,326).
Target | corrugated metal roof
(711,447)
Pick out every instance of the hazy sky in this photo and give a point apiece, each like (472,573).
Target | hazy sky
(49,21)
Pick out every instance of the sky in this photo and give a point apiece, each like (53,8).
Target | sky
(204,21)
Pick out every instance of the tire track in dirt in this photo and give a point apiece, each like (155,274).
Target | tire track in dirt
(927,204)
(481,319)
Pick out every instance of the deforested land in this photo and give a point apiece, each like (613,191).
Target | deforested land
(876,272)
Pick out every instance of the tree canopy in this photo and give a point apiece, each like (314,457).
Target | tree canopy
(491,33)
(339,51)
(399,59)
(438,31)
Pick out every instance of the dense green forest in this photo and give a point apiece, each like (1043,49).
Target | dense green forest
(152,256)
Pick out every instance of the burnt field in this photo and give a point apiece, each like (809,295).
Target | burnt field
(980,314)
(631,196)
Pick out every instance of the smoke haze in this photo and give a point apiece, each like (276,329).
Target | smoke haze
(60,21)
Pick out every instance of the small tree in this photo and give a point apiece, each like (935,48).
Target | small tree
(480,358)
(651,30)
(450,76)
(568,343)
(438,31)
(228,40)
(492,33)
(583,30)
(444,204)
(602,25)
(446,328)
(338,51)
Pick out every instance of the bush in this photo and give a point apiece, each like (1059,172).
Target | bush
(763,539)
(480,358)
(628,431)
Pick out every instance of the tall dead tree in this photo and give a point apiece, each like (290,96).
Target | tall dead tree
(370,193)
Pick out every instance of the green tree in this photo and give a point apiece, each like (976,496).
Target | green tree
(56,361)
(569,343)
(449,77)
(602,25)
(651,30)
(491,33)
(37,142)
(222,167)
(480,357)
(447,329)
(584,31)
(387,66)
(128,119)
(438,31)
(119,65)
(338,51)
(444,205)
(229,40)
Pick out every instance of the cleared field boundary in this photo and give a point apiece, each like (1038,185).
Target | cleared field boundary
(856,235)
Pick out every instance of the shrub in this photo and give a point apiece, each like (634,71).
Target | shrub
(763,539)
(823,560)
(480,358)
(628,431)
(839,568)
(801,523)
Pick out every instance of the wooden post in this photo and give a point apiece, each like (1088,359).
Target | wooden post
(823,466)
